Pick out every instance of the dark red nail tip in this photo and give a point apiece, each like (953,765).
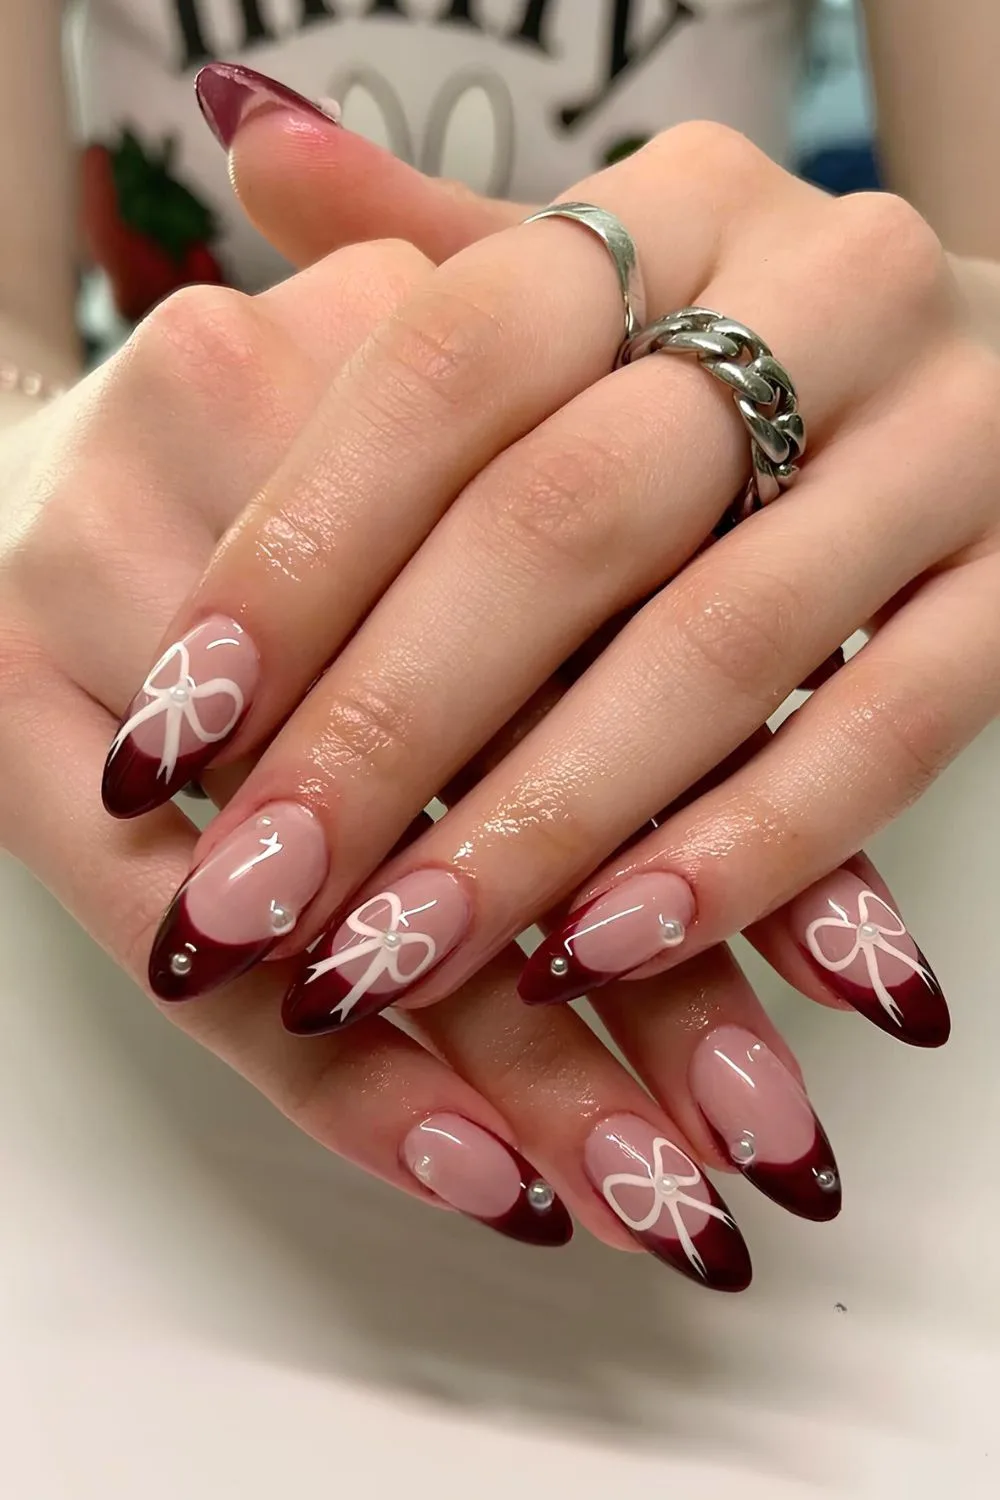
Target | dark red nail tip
(553,974)
(309,1006)
(229,94)
(810,1187)
(185,963)
(539,1216)
(720,1247)
(925,1018)
(132,783)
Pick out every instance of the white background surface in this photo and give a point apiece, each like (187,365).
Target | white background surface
(197,1303)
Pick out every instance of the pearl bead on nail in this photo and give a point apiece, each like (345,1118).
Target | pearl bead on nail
(668,1185)
(559,967)
(541,1196)
(180,694)
(180,964)
(868,932)
(671,933)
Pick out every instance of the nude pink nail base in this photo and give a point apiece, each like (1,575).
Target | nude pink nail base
(474,1171)
(667,1203)
(236,906)
(387,943)
(763,1122)
(630,924)
(861,949)
(192,702)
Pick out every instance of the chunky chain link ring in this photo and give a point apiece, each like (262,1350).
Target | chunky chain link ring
(762,391)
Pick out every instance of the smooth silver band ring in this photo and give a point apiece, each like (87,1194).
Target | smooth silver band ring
(620,246)
(762,390)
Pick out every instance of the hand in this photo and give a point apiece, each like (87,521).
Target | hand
(560,525)
(113,500)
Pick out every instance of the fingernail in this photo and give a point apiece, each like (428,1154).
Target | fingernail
(481,1176)
(860,947)
(385,945)
(634,921)
(246,897)
(667,1203)
(192,702)
(763,1122)
(229,94)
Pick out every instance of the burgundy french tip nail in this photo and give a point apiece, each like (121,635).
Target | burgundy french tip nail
(363,964)
(191,703)
(229,94)
(860,947)
(763,1122)
(633,922)
(480,1175)
(234,908)
(667,1203)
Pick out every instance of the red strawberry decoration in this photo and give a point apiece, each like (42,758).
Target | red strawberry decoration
(150,234)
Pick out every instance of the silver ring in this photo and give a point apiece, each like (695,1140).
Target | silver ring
(762,390)
(620,246)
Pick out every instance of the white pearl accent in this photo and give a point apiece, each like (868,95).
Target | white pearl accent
(283,919)
(744,1150)
(391,940)
(668,1185)
(559,967)
(180,694)
(541,1196)
(868,932)
(180,964)
(827,1180)
(671,932)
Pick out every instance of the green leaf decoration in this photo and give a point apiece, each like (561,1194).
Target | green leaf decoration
(154,203)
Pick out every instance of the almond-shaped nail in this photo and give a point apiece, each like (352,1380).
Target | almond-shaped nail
(229,94)
(386,944)
(619,931)
(234,908)
(860,947)
(480,1175)
(763,1122)
(192,702)
(666,1202)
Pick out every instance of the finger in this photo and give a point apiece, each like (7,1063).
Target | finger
(709,1053)
(443,387)
(719,649)
(603,1141)
(230,443)
(310,186)
(863,748)
(381,1101)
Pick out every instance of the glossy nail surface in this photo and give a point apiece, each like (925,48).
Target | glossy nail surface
(229,94)
(619,931)
(763,1122)
(667,1203)
(234,908)
(193,700)
(480,1175)
(382,949)
(860,947)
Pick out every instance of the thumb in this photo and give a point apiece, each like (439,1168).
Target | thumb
(310,186)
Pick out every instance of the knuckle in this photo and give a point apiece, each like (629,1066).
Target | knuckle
(887,239)
(918,735)
(740,632)
(383,274)
(442,352)
(367,726)
(207,334)
(565,509)
(713,149)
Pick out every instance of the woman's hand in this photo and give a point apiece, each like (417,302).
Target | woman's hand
(113,500)
(577,497)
